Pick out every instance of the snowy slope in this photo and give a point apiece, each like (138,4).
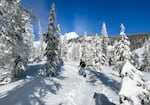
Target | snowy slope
(70,35)
(67,89)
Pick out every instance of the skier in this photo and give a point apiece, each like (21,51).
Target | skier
(82,67)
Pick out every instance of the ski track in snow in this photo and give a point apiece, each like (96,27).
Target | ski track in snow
(67,89)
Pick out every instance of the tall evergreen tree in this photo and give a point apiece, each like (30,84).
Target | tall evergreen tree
(98,56)
(75,51)
(86,50)
(64,48)
(30,36)
(146,65)
(52,41)
(41,41)
(58,31)
(122,51)
(104,43)
(15,32)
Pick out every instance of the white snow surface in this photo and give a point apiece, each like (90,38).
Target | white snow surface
(128,69)
(69,88)
(129,88)
(70,35)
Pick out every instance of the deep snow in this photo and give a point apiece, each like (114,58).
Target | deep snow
(68,88)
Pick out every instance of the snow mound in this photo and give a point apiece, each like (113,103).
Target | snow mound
(128,69)
(71,35)
(133,88)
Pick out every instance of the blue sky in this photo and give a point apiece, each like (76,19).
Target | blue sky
(87,15)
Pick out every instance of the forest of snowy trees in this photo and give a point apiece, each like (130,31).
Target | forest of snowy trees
(16,44)
(16,39)
(96,51)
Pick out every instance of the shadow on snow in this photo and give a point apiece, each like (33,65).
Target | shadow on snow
(32,70)
(95,76)
(33,92)
(101,99)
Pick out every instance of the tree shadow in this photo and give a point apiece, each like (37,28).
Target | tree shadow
(95,76)
(101,99)
(59,70)
(31,71)
(32,93)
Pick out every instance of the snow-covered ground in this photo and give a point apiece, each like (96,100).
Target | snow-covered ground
(68,88)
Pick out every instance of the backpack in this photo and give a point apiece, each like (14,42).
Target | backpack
(83,65)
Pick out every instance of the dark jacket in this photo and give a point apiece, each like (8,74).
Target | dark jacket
(82,64)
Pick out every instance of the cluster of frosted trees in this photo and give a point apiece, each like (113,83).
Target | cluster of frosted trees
(16,39)
(94,50)
(133,90)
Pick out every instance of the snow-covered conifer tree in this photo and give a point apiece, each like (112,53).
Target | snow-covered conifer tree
(64,48)
(75,51)
(79,50)
(16,32)
(122,51)
(146,65)
(14,22)
(86,51)
(58,31)
(98,56)
(41,41)
(133,90)
(136,63)
(30,34)
(52,40)
(23,31)
(104,43)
